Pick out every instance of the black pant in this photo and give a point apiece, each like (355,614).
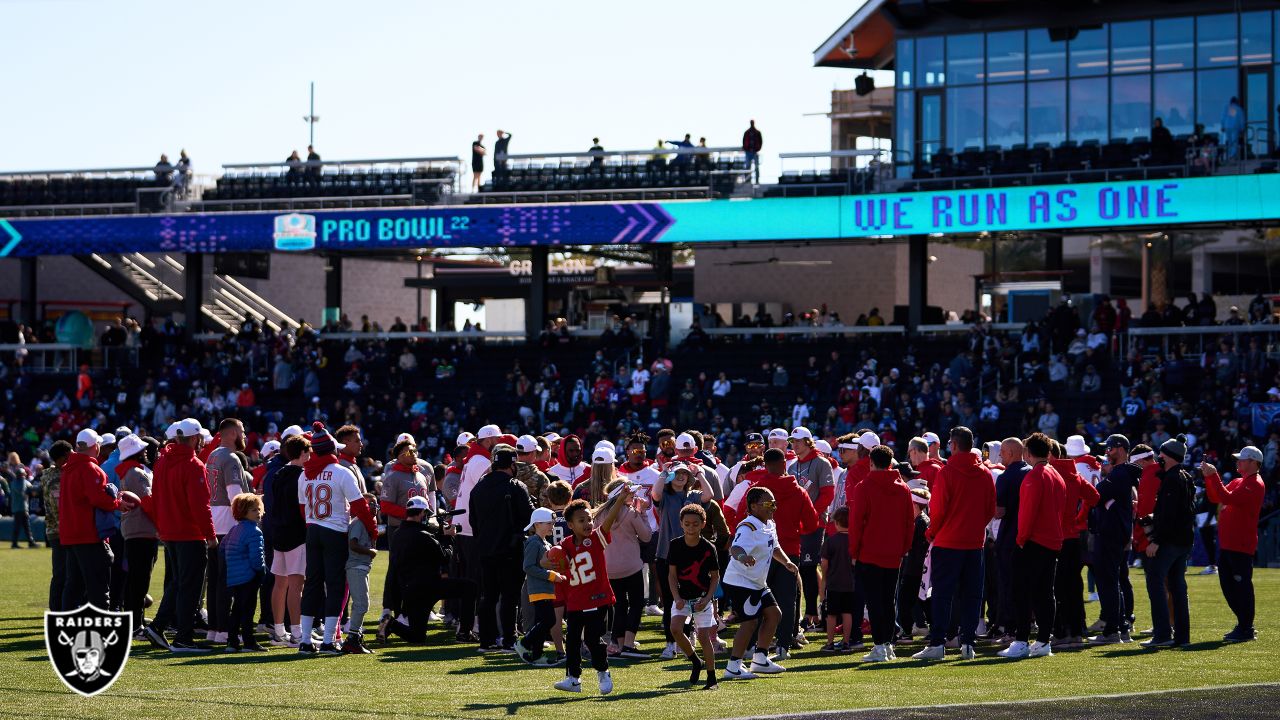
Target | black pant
(1235,575)
(1208,536)
(1069,590)
(1108,566)
(242,601)
(326,572)
(264,593)
(500,583)
(22,524)
(1034,571)
(880,587)
(629,604)
(664,590)
(140,554)
(911,609)
(216,599)
(416,606)
(1004,587)
(590,623)
(390,590)
(88,576)
(809,587)
(785,588)
(544,617)
(184,563)
(58,580)
(119,573)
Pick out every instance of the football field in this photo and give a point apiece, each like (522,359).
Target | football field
(443,680)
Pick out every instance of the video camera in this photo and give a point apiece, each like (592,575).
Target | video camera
(438,524)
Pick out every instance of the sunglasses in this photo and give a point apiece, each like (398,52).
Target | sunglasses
(769,504)
(755,445)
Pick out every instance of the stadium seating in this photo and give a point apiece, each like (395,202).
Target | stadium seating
(1083,162)
(574,176)
(416,186)
(63,190)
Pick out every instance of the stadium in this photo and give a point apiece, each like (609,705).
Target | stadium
(956,396)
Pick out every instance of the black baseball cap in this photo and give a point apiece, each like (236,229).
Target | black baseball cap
(1118,441)
(755,438)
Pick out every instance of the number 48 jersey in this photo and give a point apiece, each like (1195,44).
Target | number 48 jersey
(327,497)
(588,586)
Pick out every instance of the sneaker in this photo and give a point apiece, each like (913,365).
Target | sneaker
(782,654)
(920,630)
(800,640)
(1067,642)
(982,628)
(953,644)
(1017,649)
(383,625)
(1154,644)
(967,652)
(436,617)
(1239,635)
(544,661)
(1097,627)
(1039,649)
(1109,639)
(1125,637)
(1137,563)
(489,649)
(306,648)
(569,684)
(232,648)
(853,646)
(466,638)
(892,655)
(179,646)
(253,646)
(281,640)
(261,628)
(931,652)
(156,638)
(720,645)
(633,652)
(355,645)
(330,649)
(669,652)
(878,653)
(653,611)
(605,680)
(766,668)
(738,674)
(1093,597)
(1209,570)
(830,648)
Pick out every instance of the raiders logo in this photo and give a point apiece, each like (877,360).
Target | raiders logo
(88,647)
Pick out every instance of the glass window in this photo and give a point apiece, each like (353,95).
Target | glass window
(1255,38)
(1006,56)
(1216,40)
(1175,41)
(1131,47)
(1045,58)
(929,61)
(1006,108)
(904,142)
(1131,106)
(1174,102)
(964,117)
(1089,110)
(1214,89)
(964,59)
(1047,112)
(905,62)
(1089,52)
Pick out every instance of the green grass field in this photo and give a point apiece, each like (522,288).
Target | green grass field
(449,681)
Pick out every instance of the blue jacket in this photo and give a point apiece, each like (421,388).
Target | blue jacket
(242,550)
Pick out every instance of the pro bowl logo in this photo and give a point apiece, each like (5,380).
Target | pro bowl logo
(295,232)
(88,646)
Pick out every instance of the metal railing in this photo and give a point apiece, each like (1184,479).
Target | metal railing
(307,203)
(1141,338)
(44,358)
(502,197)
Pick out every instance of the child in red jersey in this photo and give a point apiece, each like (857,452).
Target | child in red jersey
(587,594)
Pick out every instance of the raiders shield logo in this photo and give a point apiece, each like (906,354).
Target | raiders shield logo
(88,647)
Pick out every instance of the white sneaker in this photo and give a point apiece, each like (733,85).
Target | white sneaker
(878,653)
(669,652)
(569,684)
(436,617)
(1209,570)
(606,682)
(652,611)
(1016,649)
(892,655)
(1093,597)
(921,630)
(953,644)
(782,654)
(720,645)
(967,652)
(738,673)
(1039,649)
(982,627)
(769,667)
(931,652)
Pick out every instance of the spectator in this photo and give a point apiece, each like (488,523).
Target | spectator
(683,156)
(477,162)
(720,388)
(294,165)
(1163,151)
(500,153)
(597,151)
(314,166)
(499,543)
(752,142)
(84,488)
(1238,535)
(164,171)
(1048,422)
(1170,530)
(1232,127)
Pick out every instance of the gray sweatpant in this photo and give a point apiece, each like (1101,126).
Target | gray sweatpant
(358,587)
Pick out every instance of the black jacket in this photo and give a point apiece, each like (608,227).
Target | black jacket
(499,511)
(416,559)
(288,527)
(1175,508)
(1114,525)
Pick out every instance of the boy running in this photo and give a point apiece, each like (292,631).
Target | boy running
(693,576)
(755,547)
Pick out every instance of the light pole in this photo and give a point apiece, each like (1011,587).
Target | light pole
(313,118)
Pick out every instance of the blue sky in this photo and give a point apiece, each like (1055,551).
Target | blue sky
(109,83)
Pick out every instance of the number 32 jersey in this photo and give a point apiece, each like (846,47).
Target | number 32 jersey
(588,585)
(326,498)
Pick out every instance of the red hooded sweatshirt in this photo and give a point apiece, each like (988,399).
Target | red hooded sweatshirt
(1040,501)
(929,470)
(561,470)
(180,492)
(1241,503)
(1081,497)
(794,515)
(1148,488)
(881,520)
(209,447)
(84,489)
(963,502)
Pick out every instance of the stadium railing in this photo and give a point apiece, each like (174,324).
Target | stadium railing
(1146,339)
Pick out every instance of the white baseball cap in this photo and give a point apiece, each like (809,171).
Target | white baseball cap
(526,444)
(801,433)
(823,447)
(208,436)
(109,439)
(607,444)
(685,441)
(131,445)
(1248,452)
(540,515)
(417,502)
(290,432)
(551,437)
(1076,446)
(868,440)
(187,427)
(603,455)
(931,438)
(465,438)
(489,431)
(405,437)
(778,434)
(88,436)
(271,447)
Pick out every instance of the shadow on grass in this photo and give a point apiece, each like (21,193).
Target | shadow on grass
(514,708)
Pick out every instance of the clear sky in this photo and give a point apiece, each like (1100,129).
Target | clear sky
(111,83)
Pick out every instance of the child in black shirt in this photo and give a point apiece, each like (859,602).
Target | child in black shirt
(694,575)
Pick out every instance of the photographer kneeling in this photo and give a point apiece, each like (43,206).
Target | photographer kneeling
(419,569)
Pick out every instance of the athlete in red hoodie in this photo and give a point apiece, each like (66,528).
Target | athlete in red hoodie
(83,490)
(569,465)
(1069,587)
(1241,503)
(881,528)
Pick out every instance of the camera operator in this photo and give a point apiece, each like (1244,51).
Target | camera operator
(418,568)
(498,534)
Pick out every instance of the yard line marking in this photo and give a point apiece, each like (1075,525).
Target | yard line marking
(228,687)
(1003,703)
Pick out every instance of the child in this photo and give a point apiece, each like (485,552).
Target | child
(755,547)
(541,581)
(359,563)
(693,577)
(245,565)
(558,495)
(837,590)
(587,593)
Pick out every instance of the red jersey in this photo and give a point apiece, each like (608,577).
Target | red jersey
(588,587)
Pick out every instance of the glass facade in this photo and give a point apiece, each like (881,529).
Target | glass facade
(1098,84)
